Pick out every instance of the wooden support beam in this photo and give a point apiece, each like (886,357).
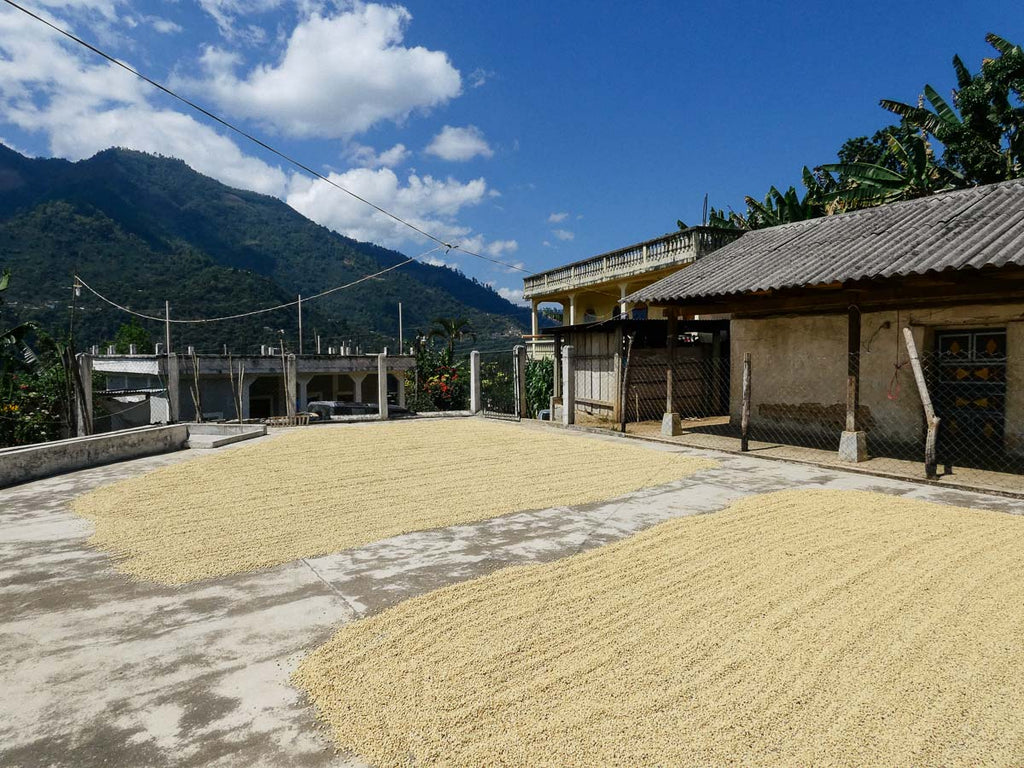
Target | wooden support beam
(745,412)
(931,419)
(853,369)
(670,344)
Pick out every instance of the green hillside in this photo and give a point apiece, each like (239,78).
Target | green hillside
(143,229)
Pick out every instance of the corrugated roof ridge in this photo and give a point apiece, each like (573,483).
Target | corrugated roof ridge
(909,236)
(983,189)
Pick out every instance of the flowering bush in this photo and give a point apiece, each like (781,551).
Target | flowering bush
(31,407)
(438,383)
(447,387)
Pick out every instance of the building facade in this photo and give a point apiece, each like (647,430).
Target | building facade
(597,288)
(831,310)
(143,389)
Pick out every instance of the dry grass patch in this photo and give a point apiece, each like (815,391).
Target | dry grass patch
(325,489)
(796,628)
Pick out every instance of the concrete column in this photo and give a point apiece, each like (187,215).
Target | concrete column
(623,307)
(519,356)
(534,319)
(572,310)
(568,387)
(475,397)
(382,385)
(303,395)
(400,376)
(243,394)
(83,409)
(357,381)
(173,406)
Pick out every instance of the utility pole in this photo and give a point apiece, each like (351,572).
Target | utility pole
(300,323)
(401,341)
(167,327)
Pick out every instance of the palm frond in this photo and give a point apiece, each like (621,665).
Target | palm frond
(918,116)
(1001,44)
(945,112)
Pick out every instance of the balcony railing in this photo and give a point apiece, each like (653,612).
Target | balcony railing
(677,248)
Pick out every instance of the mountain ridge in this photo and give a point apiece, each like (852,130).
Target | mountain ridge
(58,217)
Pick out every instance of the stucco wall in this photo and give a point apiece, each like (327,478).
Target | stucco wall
(799,367)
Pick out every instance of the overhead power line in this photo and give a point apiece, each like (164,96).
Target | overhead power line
(259,142)
(240,315)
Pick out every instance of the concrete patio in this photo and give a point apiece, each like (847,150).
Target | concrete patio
(101,670)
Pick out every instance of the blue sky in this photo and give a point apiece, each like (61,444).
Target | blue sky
(538,133)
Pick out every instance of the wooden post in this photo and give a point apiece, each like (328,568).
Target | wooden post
(670,350)
(568,386)
(745,412)
(624,387)
(853,370)
(291,383)
(931,419)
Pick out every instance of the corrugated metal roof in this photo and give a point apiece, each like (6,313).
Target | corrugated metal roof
(976,227)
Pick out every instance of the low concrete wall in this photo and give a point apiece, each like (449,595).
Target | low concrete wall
(211,428)
(31,462)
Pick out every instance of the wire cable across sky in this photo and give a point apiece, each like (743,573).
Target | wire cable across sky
(259,142)
(240,315)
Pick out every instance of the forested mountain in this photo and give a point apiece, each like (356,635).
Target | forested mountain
(143,229)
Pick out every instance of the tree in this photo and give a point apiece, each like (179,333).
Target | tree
(787,207)
(451,330)
(907,171)
(14,351)
(874,150)
(132,333)
(981,132)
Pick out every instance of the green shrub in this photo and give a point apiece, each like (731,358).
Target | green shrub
(540,384)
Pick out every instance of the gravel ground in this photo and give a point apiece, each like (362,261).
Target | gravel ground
(801,627)
(315,491)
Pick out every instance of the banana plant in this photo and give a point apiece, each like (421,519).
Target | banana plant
(786,207)
(14,351)
(981,132)
(913,173)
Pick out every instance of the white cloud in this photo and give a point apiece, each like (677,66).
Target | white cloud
(431,204)
(227,12)
(479,77)
(459,144)
(164,26)
(515,295)
(84,107)
(556,218)
(434,261)
(563,234)
(106,8)
(499,247)
(546,244)
(338,76)
(368,157)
